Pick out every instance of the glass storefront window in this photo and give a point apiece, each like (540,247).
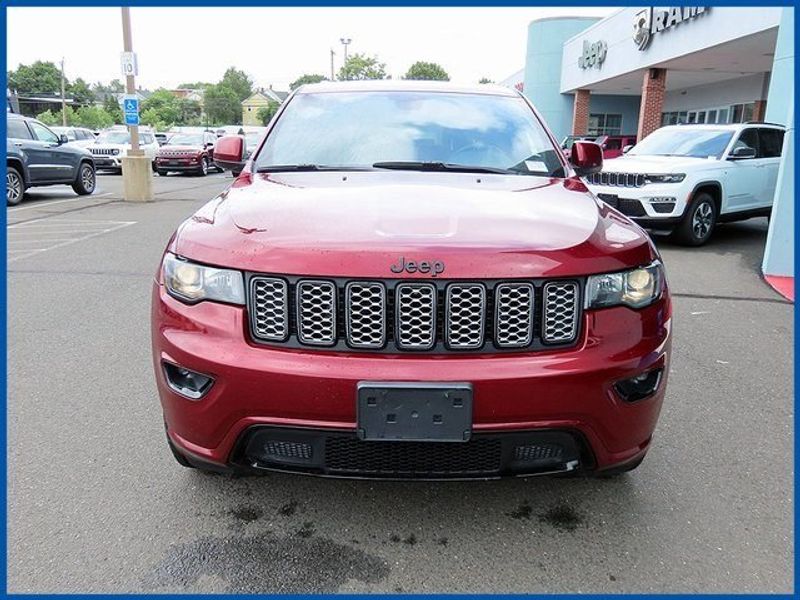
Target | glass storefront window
(605,124)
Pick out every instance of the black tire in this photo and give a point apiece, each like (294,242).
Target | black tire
(15,186)
(204,166)
(698,222)
(86,181)
(617,471)
(154,167)
(235,173)
(179,457)
(162,173)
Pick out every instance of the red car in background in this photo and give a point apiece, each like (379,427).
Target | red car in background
(191,152)
(408,280)
(615,145)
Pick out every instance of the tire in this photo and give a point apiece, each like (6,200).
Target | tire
(698,222)
(15,186)
(203,170)
(154,167)
(162,173)
(235,173)
(179,457)
(617,471)
(86,181)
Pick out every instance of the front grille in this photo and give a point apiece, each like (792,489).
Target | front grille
(347,455)
(560,312)
(414,316)
(316,312)
(617,179)
(102,151)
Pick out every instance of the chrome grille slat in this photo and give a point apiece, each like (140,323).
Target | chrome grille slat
(316,312)
(560,315)
(617,179)
(269,305)
(465,315)
(365,314)
(513,318)
(415,306)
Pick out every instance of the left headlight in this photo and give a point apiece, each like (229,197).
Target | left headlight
(664,178)
(636,288)
(190,282)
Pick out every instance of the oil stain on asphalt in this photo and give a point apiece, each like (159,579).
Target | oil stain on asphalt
(267,563)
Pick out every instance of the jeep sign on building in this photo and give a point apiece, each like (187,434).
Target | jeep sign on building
(642,67)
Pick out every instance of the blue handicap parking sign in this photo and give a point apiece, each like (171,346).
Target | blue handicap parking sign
(130,107)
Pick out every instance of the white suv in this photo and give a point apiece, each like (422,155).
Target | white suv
(684,179)
(112,144)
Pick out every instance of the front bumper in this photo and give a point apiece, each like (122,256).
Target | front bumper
(568,393)
(644,205)
(181,164)
(107,162)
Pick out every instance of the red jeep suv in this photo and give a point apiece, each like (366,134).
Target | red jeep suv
(408,280)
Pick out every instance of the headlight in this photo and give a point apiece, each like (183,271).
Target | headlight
(192,283)
(115,151)
(664,178)
(637,288)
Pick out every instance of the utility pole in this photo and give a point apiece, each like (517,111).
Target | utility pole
(63,99)
(130,84)
(333,76)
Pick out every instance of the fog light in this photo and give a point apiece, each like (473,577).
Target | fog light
(639,387)
(190,384)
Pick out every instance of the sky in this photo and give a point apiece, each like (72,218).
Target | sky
(274,45)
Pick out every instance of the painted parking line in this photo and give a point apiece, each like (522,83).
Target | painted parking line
(46,203)
(47,234)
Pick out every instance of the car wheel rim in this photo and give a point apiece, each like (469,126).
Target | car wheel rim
(87,179)
(702,220)
(205,166)
(13,187)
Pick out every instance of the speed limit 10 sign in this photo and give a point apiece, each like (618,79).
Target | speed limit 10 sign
(129,66)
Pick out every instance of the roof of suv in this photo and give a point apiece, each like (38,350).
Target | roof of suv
(392,85)
(724,126)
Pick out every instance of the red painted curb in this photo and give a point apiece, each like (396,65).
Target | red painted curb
(783,285)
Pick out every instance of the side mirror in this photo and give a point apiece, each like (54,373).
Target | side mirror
(742,152)
(586,158)
(627,148)
(229,152)
(63,139)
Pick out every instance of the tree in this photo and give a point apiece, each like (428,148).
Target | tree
(112,108)
(265,113)
(222,105)
(38,78)
(197,85)
(303,79)
(53,118)
(422,70)
(161,107)
(360,66)
(93,117)
(239,82)
(485,80)
(81,91)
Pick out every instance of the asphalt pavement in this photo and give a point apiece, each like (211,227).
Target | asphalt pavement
(96,502)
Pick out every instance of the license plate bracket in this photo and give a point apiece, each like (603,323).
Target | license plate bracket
(414,411)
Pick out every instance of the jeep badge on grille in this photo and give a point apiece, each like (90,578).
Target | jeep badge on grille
(435,267)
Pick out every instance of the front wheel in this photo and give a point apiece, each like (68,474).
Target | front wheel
(698,222)
(15,186)
(86,181)
(203,167)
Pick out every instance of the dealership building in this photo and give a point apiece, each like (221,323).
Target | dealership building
(639,68)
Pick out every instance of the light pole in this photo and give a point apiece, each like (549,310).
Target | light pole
(332,55)
(137,168)
(345,42)
(63,99)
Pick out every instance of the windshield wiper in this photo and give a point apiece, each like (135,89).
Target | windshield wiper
(308,167)
(411,165)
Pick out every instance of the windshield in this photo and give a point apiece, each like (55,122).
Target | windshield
(698,143)
(571,139)
(114,137)
(186,139)
(360,129)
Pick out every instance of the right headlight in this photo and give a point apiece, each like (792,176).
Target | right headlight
(191,282)
(636,288)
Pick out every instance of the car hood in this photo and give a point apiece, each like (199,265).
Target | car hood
(179,149)
(655,164)
(360,223)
